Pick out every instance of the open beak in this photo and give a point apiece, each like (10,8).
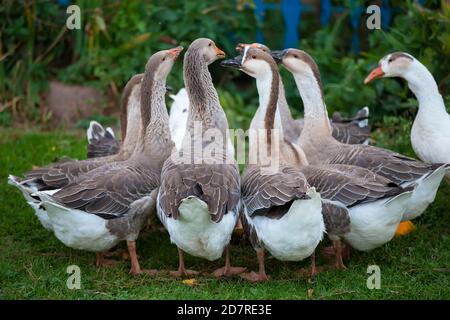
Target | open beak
(173,53)
(235,62)
(278,55)
(376,73)
(220,53)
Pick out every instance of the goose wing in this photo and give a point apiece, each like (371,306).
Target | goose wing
(108,191)
(350,133)
(101,142)
(58,175)
(394,166)
(218,185)
(349,185)
(272,194)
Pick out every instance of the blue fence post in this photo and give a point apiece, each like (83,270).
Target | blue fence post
(260,7)
(386,15)
(355,18)
(325,12)
(291,10)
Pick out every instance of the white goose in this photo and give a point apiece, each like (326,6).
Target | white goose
(113,202)
(321,148)
(430,133)
(178,116)
(199,197)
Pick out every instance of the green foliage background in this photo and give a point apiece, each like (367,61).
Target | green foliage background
(117,37)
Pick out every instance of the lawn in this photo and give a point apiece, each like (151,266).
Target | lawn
(33,262)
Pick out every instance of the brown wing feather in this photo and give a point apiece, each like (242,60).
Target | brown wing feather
(265,194)
(103,146)
(350,133)
(108,191)
(349,185)
(218,185)
(61,174)
(394,166)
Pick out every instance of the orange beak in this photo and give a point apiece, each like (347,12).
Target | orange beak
(376,73)
(173,53)
(220,53)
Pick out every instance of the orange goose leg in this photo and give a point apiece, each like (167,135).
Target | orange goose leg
(313,264)
(261,275)
(338,252)
(227,270)
(135,267)
(181,269)
(100,260)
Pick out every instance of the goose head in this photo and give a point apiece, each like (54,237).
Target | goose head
(253,61)
(395,64)
(297,62)
(207,50)
(240,47)
(161,62)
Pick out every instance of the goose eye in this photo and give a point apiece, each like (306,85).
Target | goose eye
(163,59)
(210,44)
(295,56)
(254,57)
(390,60)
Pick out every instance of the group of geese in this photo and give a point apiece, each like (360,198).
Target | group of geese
(328,180)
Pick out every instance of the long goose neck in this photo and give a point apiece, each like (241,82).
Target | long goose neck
(315,110)
(267,116)
(283,106)
(132,122)
(126,103)
(424,87)
(155,133)
(203,98)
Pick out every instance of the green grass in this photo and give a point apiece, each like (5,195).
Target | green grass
(33,262)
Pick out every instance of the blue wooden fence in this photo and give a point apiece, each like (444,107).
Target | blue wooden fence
(292,13)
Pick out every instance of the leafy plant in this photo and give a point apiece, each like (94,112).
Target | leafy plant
(117,38)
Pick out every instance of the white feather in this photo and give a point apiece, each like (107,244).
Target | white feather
(424,193)
(374,224)
(195,233)
(296,235)
(78,229)
(29,189)
(178,117)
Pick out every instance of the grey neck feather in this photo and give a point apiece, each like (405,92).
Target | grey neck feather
(203,99)
(315,111)
(290,128)
(155,139)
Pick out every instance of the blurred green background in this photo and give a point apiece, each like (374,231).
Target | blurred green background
(117,37)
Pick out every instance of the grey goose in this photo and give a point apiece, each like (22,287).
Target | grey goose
(199,199)
(113,202)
